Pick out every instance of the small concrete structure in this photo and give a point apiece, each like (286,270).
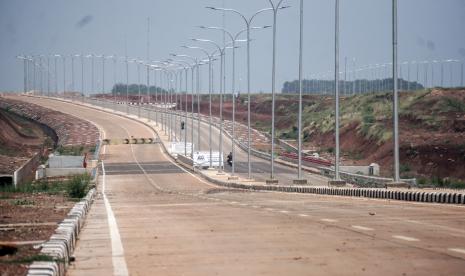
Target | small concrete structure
(299,181)
(371,170)
(337,183)
(271,181)
(65,161)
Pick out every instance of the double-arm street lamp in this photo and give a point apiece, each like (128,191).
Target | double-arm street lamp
(233,40)
(301,38)
(82,74)
(210,59)
(195,65)
(337,177)
(248,21)
(275,8)
(187,66)
(25,64)
(221,50)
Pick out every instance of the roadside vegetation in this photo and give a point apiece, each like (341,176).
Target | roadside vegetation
(75,187)
(74,150)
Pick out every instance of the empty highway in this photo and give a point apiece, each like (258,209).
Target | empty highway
(153,217)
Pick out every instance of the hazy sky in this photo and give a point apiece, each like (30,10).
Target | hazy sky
(428,30)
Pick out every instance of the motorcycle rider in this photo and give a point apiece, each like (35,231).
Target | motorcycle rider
(229,159)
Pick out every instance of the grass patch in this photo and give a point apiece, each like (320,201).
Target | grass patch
(354,155)
(70,150)
(4,196)
(78,186)
(31,259)
(75,187)
(404,168)
(291,134)
(437,182)
(7,151)
(449,104)
(74,150)
(22,202)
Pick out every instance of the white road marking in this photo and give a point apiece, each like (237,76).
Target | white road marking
(233,202)
(363,228)
(405,238)
(117,251)
(458,250)
(451,229)
(303,215)
(269,209)
(284,211)
(123,207)
(328,220)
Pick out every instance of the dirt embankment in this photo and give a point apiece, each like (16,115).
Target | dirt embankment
(20,139)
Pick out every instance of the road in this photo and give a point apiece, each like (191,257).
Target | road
(153,218)
(260,168)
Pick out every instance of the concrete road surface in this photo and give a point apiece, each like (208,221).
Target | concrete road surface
(153,218)
(261,169)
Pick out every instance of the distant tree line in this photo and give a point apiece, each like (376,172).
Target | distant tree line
(348,87)
(120,89)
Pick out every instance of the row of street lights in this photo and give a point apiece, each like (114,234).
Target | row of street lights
(364,79)
(173,70)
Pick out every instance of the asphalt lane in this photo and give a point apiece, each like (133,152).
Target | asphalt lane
(173,223)
(261,169)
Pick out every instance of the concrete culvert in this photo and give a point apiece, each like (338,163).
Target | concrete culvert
(7,249)
(6,180)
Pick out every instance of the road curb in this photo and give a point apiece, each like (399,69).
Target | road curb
(61,244)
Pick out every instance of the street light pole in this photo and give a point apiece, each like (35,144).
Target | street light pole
(103,74)
(138,62)
(248,22)
(64,75)
(221,50)
(210,60)
(233,42)
(275,9)
(195,65)
(336,95)
(395,98)
(24,59)
(114,80)
(127,85)
(301,38)
(56,75)
(461,74)
(442,73)
(40,76)
(48,75)
(187,66)
(82,76)
(354,75)
(92,73)
(72,73)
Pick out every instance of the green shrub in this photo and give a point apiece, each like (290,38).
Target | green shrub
(449,104)
(78,185)
(70,150)
(22,202)
(404,168)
